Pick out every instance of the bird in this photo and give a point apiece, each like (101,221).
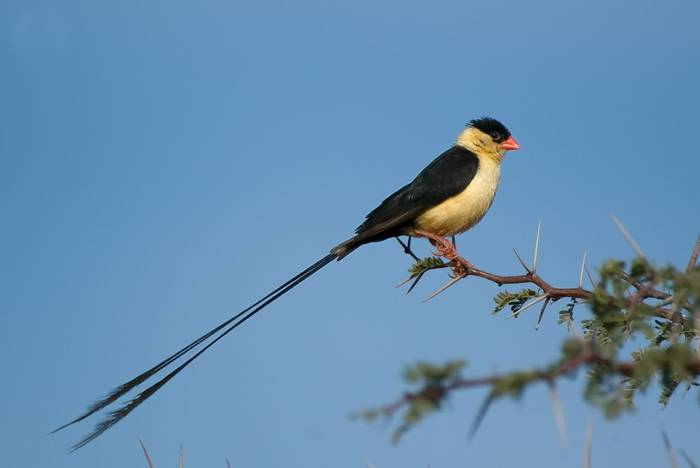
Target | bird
(448,197)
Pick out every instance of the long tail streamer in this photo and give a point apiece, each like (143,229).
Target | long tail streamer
(117,415)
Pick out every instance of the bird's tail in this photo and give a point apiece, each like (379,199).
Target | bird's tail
(345,248)
(116,415)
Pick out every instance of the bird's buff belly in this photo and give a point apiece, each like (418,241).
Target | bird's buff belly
(459,213)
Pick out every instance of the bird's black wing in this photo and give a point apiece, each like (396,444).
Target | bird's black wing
(445,177)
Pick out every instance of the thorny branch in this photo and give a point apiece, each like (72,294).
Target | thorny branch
(436,393)
(622,303)
(461,268)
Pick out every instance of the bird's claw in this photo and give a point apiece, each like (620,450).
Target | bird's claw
(446,249)
(443,247)
(458,270)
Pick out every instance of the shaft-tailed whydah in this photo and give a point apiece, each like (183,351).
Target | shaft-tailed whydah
(446,198)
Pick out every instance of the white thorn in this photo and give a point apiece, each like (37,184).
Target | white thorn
(628,237)
(583,267)
(537,247)
(587,442)
(558,414)
(449,283)
(528,305)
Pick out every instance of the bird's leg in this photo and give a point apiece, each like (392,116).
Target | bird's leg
(407,248)
(418,269)
(459,265)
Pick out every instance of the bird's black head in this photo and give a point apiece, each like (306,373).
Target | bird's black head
(487,136)
(492,127)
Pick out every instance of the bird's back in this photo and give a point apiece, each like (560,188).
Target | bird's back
(446,176)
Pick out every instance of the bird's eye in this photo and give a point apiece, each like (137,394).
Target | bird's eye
(496,136)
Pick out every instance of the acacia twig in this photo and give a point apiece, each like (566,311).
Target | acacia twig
(462,268)
(587,358)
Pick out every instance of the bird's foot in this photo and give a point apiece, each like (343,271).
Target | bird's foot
(446,249)
(443,247)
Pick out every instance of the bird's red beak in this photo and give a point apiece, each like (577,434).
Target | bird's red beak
(510,144)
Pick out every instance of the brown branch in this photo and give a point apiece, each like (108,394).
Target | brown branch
(533,278)
(462,268)
(644,290)
(436,393)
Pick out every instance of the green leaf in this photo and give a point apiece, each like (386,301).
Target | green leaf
(514,300)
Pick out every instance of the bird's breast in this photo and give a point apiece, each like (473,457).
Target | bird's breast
(464,210)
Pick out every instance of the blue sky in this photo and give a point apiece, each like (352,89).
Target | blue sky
(164,164)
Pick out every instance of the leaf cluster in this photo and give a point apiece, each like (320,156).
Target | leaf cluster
(432,383)
(515,300)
